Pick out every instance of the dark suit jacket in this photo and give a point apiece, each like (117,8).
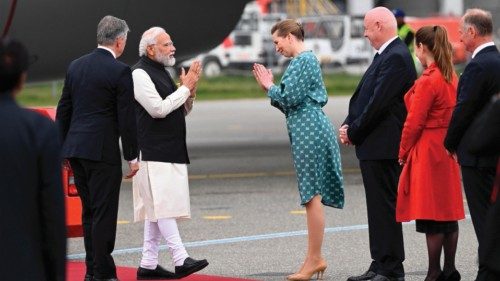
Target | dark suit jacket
(96,108)
(32,221)
(376,110)
(485,131)
(478,83)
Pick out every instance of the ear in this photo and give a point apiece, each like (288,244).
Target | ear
(150,50)
(472,31)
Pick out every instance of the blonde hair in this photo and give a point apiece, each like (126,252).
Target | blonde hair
(287,26)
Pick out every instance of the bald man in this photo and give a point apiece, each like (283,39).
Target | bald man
(373,125)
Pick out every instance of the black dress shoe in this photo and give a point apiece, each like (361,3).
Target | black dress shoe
(159,273)
(365,276)
(379,277)
(88,277)
(190,266)
(454,276)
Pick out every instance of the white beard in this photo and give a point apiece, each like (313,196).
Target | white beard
(165,60)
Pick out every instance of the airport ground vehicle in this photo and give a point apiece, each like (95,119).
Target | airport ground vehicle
(72,200)
(336,40)
(452,25)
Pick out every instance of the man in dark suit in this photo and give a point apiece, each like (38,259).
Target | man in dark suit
(478,83)
(96,108)
(485,137)
(376,116)
(32,221)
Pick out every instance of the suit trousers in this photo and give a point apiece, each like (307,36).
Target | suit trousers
(98,184)
(380,178)
(478,184)
(489,261)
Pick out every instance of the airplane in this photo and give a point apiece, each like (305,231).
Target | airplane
(59,31)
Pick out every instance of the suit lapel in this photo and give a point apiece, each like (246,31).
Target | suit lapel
(369,70)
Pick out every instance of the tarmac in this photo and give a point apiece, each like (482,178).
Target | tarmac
(246,218)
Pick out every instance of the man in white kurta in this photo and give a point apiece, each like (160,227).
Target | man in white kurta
(160,188)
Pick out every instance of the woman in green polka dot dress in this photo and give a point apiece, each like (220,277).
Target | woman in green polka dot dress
(300,95)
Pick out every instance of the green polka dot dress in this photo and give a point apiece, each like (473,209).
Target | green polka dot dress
(301,95)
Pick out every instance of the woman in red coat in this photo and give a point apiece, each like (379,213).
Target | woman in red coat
(429,188)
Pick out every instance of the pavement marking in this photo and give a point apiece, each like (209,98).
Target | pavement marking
(252,175)
(298,212)
(122,222)
(217,217)
(242,239)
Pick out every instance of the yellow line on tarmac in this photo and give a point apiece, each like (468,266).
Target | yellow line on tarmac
(122,222)
(252,175)
(298,212)
(217,217)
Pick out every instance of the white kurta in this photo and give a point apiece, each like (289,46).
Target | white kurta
(160,189)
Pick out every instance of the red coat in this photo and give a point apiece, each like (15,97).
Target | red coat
(429,185)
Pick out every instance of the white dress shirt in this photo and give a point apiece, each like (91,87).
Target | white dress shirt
(107,49)
(480,47)
(146,94)
(382,48)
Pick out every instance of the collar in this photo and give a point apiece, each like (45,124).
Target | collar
(430,68)
(107,49)
(384,46)
(481,47)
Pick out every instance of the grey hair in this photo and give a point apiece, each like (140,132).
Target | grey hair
(149,38)
(481,20)
(109,29)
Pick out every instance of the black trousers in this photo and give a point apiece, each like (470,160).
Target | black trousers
(380,178)
(98,185)
(478,184)
(489,261)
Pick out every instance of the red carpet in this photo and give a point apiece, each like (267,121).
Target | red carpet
(76,271)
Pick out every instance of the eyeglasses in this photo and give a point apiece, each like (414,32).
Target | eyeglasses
(168,44)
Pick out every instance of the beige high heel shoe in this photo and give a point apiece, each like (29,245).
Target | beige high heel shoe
(319,270)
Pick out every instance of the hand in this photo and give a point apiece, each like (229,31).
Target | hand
(344,138)
(190,79)
(134,167)
(452,155)
(193,92)
(401,162)
(263,76)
